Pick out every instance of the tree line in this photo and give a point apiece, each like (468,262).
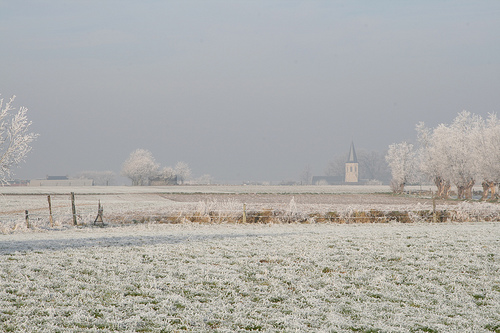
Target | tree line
(460,154)
(141,168)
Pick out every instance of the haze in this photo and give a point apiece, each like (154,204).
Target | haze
(240,90)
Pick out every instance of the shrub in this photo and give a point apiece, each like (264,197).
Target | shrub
(398,216)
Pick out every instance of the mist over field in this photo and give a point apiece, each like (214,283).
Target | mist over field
(254,91)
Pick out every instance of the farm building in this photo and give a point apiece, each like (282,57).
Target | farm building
(61,181)
(163,181)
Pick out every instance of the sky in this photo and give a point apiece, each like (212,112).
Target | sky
(240,90)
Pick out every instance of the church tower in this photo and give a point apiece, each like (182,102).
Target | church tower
(351,166)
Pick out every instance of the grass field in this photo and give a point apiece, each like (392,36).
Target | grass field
(274,278)
(143,274)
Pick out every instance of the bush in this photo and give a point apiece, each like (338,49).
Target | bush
(398,216)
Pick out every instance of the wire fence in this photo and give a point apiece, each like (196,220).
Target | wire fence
(90,217)
(89,213)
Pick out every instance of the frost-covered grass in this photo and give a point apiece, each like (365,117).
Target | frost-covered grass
(274,278)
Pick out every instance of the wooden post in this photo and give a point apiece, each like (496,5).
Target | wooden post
(50,211)
(100,210)
(244,213)
(26,216)
(434,217)
(73,208)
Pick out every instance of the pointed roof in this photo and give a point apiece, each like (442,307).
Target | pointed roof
(352,155)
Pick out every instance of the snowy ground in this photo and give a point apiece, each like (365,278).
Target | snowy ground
(274,278)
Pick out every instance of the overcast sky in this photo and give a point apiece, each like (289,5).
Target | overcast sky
(240,90)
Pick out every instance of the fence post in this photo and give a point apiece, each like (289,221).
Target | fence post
(26,216)
(434,217)
(73,208)
(50,212)
(100,210)
(244,213)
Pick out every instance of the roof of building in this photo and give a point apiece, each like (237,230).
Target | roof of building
(57,177)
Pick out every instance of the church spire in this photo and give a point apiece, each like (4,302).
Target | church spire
(352,155)
(351,166)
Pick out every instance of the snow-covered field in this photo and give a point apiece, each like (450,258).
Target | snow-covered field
(275,278)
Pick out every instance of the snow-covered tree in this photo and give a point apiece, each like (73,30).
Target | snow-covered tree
(182,171)
(167,173)
(336,167)
(457,153)
(461,153)
(15,140)
(373,165)
(488,161)
(463,156)
(401,158)
(433,157)
(140,166)
(306,175)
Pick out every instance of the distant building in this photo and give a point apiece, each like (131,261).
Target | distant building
(351,166)
(61,181)
(17,182)
(57,178)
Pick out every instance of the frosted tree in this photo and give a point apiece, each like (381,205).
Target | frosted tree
(372,165)
(167,176)
(139,167)
(461,140)
(488,160)
(15,140)
(182,171)
(451,154)
(461,153)
(336,167)
(401,158)
(306,175)
(167,173)
(432,158)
